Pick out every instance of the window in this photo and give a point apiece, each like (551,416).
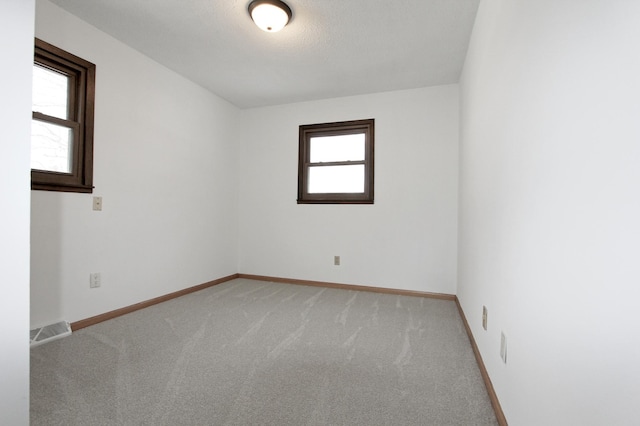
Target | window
(335,164)
(62,122)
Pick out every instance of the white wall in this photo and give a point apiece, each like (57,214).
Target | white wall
(550,206)
(165,165)
(406,240)
(16,35)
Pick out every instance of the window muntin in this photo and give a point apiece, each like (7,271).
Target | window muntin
(62,123)
(336,163)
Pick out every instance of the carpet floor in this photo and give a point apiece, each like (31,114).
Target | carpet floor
(258,353)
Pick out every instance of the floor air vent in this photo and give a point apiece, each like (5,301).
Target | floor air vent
(45,334)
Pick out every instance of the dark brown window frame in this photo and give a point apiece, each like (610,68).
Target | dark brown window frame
(81,111)
(306,132)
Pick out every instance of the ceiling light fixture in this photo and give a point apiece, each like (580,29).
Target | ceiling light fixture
(270,15)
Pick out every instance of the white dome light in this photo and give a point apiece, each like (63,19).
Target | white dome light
(269,15)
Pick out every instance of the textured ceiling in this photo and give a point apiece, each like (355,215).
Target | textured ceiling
(331,48)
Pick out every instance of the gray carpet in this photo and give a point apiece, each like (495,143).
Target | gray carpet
(256,353)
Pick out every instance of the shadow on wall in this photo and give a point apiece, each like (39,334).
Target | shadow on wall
(46,253)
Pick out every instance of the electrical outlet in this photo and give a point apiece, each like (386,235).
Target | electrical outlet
(484,317)
(503,347)
(97,203)
(95,280)
(336,260)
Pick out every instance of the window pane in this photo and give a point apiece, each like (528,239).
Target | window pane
(50,92)
(337,148)
(336,179)
(51,147)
